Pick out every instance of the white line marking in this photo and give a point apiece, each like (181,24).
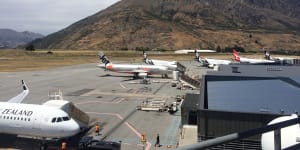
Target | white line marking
(122,86)
(127,124)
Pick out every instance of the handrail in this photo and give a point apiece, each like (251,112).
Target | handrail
(241,135)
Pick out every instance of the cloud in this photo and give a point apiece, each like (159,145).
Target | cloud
(47,16)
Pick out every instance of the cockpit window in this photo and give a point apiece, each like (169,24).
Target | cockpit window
(66,118)
(53,120)
(58,119)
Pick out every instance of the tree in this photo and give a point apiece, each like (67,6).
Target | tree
(238,48)
(30,47)
(219,49)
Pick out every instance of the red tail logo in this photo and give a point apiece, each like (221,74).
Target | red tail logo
(236,56)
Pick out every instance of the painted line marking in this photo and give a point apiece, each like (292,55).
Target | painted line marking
(127,124)
(173,138)
(122,86)
(88,102)
(169,131)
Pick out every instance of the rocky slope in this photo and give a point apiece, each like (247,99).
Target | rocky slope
(182,24)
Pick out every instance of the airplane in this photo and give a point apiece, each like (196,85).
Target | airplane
(249,60)
(269,57)
(136,70)
(186,51)
(172,65)
(289,135)
(210,63)
(40,121)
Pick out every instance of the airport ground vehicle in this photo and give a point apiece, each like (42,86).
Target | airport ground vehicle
(90,143)
(153,105)
(173,108)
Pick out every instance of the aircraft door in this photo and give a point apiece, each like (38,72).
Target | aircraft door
(37,120)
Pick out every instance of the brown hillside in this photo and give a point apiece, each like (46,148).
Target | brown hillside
(181,24)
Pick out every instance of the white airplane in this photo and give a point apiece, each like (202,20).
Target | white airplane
(210,63)
(289,135)
(136,70)
(249,60)
(186,51)
(269,57)
(41,121)
(172,65)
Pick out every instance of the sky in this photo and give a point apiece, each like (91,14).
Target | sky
(47,16)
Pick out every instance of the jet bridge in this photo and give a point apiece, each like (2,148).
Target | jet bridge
(193,82)
(181,68)
(56,100)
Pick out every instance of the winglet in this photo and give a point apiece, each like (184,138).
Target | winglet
(24,85)
(20,97)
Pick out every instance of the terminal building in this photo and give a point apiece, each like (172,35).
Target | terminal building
(241,97)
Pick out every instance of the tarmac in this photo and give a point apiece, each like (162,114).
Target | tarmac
(109,98)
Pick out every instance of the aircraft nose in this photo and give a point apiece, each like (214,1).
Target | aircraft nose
(72,128)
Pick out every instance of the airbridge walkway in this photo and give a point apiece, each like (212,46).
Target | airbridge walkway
(186,78)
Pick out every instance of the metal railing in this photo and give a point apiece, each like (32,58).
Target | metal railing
(241,135)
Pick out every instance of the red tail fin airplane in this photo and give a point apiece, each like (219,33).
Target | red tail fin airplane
(249,60)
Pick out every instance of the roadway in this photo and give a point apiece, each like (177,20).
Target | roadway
(109,98)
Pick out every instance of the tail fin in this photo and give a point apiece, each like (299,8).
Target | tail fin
(198,59)
(197,56)
(146,59)
(267,55)
(103,58)
(145,55)
(236,55)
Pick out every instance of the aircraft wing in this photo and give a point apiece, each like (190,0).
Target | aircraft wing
(19,98)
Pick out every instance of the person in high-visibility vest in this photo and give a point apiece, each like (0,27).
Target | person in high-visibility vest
(64,145)
(97,129)
(143,138)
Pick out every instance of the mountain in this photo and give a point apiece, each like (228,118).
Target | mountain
(12,39)
(182,24)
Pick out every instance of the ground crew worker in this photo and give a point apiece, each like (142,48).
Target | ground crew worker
(97,129)
(157,143)
(63,145)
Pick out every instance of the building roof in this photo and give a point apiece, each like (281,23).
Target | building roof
(191,100)
(255,89)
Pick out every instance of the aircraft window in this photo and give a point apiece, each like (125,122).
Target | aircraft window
(66,118)
(24,119)
(28,119)
(53,120)
(58,119)
(11,118)
(14,118)
(3,117)
(18,118)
